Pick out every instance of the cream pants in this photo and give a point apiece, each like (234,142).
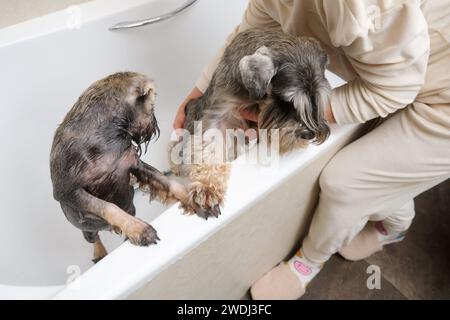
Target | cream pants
(377,177)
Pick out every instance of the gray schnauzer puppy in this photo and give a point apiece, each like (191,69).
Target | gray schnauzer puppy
(280,76)
(96,152)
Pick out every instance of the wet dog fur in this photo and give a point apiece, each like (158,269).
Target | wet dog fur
(96,150)
(280,76)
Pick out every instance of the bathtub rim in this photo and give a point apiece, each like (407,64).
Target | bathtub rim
(42,26)
(139,265)
(106,280)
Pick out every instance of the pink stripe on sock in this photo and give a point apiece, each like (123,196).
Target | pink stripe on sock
(302,268)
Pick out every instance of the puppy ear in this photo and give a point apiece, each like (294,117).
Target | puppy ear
(256,72)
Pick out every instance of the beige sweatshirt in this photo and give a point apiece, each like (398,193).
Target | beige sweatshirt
(391,52)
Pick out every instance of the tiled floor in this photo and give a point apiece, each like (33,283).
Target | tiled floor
(417,268)
(341,279)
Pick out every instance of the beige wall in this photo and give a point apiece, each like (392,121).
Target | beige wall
(15,11)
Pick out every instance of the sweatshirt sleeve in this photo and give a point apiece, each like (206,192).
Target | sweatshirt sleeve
(255,16)
(387,44)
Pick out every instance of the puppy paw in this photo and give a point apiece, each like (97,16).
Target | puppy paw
(204,201)
(141,234)
(209,212)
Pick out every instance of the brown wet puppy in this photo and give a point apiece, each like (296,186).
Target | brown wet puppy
(96,151)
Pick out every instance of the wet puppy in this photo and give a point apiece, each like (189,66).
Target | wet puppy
(282,77)
(95,153)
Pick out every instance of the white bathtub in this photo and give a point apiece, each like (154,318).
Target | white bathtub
(44,66)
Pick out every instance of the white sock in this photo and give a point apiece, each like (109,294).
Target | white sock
(387,236)
(304,269)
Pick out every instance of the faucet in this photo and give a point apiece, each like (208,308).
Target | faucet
(144,22)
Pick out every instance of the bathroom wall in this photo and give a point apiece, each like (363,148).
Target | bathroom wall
(16,11)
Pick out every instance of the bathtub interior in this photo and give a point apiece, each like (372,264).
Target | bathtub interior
(42,78)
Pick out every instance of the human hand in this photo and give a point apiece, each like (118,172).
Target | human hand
(249,115)
(180,117)
(329,114)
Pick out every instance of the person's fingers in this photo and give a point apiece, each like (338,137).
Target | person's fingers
(249,115)
(329,116)
(179,132)
(178,122)
(180,117)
